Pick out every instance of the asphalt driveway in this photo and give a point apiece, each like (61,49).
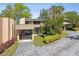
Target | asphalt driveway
(68,46)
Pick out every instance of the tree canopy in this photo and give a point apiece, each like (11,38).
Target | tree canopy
(54,20)
(16,11)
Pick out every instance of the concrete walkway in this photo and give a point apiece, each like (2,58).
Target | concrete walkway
(68,46)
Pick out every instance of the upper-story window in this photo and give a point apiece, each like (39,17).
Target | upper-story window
(36,22)
(28,22)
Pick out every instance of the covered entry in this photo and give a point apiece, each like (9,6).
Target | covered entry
(25,34)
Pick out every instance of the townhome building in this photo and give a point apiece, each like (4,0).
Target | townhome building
(28,28)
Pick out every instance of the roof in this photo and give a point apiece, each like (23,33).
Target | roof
(34,20)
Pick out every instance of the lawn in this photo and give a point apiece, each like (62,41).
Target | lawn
(10,50)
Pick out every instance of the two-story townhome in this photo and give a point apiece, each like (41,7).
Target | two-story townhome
(28,28)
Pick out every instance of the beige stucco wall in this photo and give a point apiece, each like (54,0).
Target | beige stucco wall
(0,30)
(11,28)
(5,30)
(22,21)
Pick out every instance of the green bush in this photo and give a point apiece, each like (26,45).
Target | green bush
(39,41)
(64,34)
(52,38)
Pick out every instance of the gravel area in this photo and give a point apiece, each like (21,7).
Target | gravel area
(68,46)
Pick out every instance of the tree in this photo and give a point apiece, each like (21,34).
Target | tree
(55,11)
(72,17)
(44,14)
(7,12)
(21,11)
(16,11)
(53,20)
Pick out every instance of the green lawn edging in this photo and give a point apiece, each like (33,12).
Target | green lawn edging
(10,50)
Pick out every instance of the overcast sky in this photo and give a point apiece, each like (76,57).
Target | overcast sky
(35,8)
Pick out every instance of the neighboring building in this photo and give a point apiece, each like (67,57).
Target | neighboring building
(28,28)
(7,29)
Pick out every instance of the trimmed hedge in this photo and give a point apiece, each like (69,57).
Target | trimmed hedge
(39,41)
(52,38)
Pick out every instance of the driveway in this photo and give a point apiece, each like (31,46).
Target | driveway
(68,46)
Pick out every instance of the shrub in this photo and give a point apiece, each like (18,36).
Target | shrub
(4,46)
(10,50)
(1,48)
(39,41)
(51,38)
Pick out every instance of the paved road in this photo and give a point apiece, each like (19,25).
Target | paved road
(68,46)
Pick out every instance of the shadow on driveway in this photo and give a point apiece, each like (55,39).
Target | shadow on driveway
(76,37)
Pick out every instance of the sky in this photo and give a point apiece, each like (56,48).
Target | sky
(35,8)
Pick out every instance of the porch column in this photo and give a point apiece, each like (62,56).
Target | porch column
(32,34)
(32,22)
(41,23)
(32,37)
(17,35)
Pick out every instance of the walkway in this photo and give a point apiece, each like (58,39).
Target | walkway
(68,46)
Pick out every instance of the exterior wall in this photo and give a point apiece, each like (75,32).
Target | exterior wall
(22,21)
(12,28)
(0,30)
(5,26)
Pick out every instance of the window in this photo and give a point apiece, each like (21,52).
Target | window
(36,22)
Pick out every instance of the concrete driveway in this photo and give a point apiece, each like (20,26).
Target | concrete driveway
(68,46)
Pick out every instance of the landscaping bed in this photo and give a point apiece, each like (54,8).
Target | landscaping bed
(40,41)
(9,51)
(8,47)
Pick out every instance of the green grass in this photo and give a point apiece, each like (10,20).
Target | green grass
(38,41)
(10,50)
